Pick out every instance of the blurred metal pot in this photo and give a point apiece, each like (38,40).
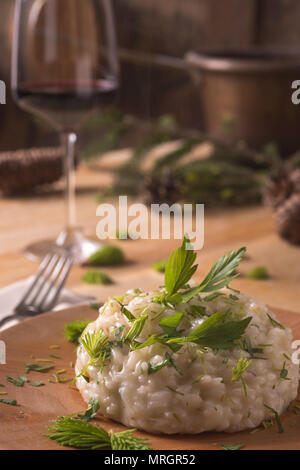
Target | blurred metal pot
(246,95)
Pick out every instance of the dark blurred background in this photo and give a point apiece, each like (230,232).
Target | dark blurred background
(169,28)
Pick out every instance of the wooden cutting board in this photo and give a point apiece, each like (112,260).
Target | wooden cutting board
(24,426)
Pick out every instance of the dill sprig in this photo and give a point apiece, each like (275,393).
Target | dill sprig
(238,371)
(97,346)
(73,432)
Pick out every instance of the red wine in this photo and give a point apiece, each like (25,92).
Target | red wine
(65,104)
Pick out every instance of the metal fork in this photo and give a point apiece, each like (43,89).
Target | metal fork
(43,292)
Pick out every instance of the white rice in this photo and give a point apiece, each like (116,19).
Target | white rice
(204,398)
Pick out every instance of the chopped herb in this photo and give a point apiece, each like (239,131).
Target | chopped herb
(175,391)
(275,323)
(296,409)
(259,273)
(8,401)
(128,314)
(286,356)
(118,333)
(54,346)
(19,382)
(62,371)
(44,360)
(267,423)
(96,277)
(254,431)
(80,434)
(284,372)
(91,411)
(238,371)
(168,361)
(277,419)
(2,385)
(3,393)
(74,330)
(37,368)
(36,384)
(54,356)
(233,297)
(160,266)
(232,446)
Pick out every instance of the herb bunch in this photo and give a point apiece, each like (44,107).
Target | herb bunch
(78,433)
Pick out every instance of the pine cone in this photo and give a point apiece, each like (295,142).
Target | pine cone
(283,195)
(23,170)
(288,219)
(159,188)
(280,187)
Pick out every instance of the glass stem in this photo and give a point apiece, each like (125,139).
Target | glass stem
(69,142)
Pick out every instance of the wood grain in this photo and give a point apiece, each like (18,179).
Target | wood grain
(24,426)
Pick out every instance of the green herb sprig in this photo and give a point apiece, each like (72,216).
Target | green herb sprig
(74,330)
(238,371)
(73,432)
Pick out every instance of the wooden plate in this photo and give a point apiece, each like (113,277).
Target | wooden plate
(24,426)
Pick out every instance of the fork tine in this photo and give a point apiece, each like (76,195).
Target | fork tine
(61,281)
(40,272)
(51,284)
(40,286)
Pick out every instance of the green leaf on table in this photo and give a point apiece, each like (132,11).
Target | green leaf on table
(19,382)
(36,384)
(38,368)
(8,401)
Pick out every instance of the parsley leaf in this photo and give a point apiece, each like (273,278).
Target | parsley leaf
(19,382)
(179,269)
(8,401)
(216,332)
(220,275)
(169,324)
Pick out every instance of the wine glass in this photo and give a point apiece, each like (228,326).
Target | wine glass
(64,66)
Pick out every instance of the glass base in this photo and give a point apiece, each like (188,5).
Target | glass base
(72,240)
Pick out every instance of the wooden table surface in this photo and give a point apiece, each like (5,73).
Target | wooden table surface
(25,219)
